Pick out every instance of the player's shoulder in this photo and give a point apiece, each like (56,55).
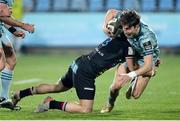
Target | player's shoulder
(146,32)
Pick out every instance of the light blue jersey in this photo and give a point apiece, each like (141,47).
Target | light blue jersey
(8,2)
(145,43)
(1,24)
(3,37)
(1,29)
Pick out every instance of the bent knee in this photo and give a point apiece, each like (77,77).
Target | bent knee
(2,67)
(12,64)
(86,110)
(136,95)
(115,86)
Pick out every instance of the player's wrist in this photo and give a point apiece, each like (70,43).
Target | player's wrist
(12,29)
(132,74)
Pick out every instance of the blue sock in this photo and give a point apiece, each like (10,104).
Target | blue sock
(6,77)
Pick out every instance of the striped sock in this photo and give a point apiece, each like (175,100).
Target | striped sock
(6,78)
(57,105)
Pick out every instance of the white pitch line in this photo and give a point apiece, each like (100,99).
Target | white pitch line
(26,81)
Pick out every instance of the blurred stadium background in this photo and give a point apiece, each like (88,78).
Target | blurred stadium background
(66,29)
(78,23)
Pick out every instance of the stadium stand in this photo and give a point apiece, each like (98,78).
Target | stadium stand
(178,5)
(78,5)
(28,5)
(148,5)
(114,4)
(131,4)
(101,5)
(166,5)
(43,5)
(60,5)
(96,5)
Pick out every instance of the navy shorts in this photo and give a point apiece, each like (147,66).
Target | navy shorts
(80,76)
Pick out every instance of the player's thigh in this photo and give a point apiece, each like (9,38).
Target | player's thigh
(2,59)
(122,69)
(8,47)
(140,86)
(60,87)
(85,87)
(87,105)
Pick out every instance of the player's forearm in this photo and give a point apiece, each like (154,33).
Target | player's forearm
(7,26)
(12,22)
(148,62)
(130,63)
(10,28)
(144,69)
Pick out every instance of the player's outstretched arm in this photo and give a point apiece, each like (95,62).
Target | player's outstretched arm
(13,22)
(14,31)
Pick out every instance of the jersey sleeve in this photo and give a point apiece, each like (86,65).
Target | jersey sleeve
(147,45)
(129,53)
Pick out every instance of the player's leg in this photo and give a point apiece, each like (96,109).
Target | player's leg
(2,65)
(114,88)
(6,76)
(2,59)
(140,86)
(85,90)
(40,89)
(84,106)
(7,72)
(64,84)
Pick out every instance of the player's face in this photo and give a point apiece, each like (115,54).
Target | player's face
(130,32)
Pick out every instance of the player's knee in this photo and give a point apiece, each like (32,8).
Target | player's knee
(2,66)
(115,86)
(57,88)
(86,110)
(136,95)
(13,64)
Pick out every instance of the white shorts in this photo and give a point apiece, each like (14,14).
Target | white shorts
(4,39)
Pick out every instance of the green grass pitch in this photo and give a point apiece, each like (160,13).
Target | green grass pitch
(161,99)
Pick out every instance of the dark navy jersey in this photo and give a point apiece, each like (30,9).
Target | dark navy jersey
(109,53)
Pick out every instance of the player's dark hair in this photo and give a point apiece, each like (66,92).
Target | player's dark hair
(130,18)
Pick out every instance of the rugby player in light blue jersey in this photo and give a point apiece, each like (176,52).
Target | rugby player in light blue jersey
(7,55)
(144,43)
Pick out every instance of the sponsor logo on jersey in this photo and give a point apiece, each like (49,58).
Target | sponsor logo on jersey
(147,45)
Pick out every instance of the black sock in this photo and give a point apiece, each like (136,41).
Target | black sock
(113,96)
(25,92)
(57,105)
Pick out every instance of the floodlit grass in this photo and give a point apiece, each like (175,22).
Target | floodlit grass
(161,99)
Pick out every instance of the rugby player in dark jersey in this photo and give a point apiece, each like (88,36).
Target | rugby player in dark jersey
(82,74)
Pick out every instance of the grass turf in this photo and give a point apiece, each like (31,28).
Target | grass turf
(161,99)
